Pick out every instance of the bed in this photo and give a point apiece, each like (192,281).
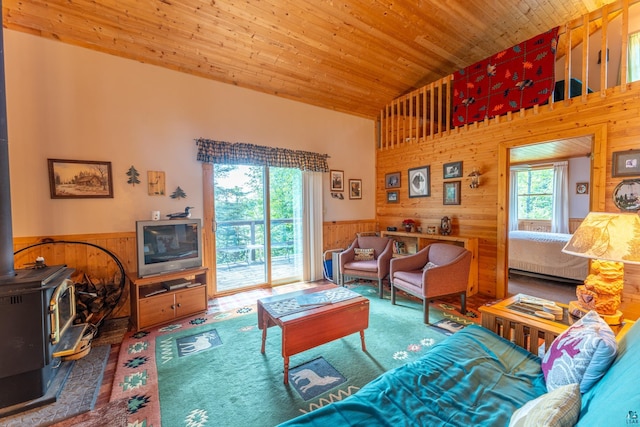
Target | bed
(540,254)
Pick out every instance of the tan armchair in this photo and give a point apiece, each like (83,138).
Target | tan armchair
(376,268)
(448,274)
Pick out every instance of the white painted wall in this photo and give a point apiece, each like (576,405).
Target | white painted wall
(579,171)
(67,102)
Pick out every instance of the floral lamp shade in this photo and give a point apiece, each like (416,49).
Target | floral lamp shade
(611,240)
(607,236)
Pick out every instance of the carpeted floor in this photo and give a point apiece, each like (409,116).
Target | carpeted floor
(231,383)
(78,395)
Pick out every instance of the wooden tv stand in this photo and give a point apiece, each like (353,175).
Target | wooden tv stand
(151,305)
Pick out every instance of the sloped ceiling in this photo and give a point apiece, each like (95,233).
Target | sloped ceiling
(352,56)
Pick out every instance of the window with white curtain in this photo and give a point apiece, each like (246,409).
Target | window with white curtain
(633,67)
(535,193)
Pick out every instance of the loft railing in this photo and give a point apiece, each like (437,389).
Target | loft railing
(425,113)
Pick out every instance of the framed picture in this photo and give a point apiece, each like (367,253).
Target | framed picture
(337,180)
(80,179)
(451,193)
(355,189)
(625,195)
(625,163)
(452,170)
(582,188)
(419,182)
(392,196)
(392,180)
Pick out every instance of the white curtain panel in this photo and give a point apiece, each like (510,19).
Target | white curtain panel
(312,225)
(560,213)
(513,197)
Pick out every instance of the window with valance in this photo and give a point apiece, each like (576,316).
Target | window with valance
(239,153)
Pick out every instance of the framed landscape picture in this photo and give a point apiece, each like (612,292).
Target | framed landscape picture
(452,170)
(337,180)
(392,197)
(80,179)
(419,182)
(355,189)
(625,163)
(451,193)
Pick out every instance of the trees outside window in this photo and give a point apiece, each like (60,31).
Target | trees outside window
(535,194)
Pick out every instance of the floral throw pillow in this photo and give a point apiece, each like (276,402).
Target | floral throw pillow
(363,254)
(581,354)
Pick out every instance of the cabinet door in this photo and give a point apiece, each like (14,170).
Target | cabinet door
(156,309)
(191,301)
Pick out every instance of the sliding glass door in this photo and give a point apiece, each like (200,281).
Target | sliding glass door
(285,215)
(254,248)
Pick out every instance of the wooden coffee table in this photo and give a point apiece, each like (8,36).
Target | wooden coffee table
(304,328)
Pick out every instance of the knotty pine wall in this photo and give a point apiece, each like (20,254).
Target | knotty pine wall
(99,265)
(85,259)
(612,116)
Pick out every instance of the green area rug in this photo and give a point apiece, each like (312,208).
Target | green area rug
(208,371)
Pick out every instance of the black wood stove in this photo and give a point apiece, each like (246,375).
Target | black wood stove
(37,309)
(37,306)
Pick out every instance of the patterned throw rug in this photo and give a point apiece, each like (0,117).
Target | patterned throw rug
(208,371)
(313,378)
(78,394)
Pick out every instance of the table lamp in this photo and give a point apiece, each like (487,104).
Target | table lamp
(610,240)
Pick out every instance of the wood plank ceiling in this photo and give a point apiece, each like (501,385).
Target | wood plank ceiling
(353,56)
(552,150)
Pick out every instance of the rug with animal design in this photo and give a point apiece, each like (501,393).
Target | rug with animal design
(209,371)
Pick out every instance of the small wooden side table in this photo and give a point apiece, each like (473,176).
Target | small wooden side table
(525,330)
(528,330)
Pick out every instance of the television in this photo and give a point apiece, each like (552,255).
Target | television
(167,246)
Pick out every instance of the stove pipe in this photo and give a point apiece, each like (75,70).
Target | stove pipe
(6,233)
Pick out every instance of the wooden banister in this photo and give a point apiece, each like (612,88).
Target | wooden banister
(426,113)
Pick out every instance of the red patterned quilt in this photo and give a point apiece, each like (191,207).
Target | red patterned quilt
(519,77)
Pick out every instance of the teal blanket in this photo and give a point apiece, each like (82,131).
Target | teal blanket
(472,378)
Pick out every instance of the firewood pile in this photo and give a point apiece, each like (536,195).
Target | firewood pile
(95,298)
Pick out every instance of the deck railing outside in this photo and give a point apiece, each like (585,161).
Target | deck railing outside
(244,240)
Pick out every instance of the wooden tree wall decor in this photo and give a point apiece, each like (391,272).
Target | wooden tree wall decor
(133,175)
(178,194)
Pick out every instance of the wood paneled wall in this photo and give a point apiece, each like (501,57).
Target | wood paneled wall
(614,116)
(86,259)
(340,234)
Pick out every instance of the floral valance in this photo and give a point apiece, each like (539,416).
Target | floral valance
(240,153)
